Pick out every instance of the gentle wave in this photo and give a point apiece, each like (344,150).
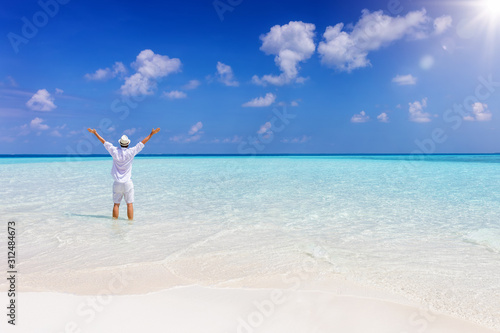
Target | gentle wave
(487,237)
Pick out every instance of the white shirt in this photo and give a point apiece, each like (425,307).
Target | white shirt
(122,160)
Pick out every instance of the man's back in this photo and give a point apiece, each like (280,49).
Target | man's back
(123,187)
(122,160)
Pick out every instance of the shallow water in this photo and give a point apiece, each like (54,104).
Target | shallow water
(428,230)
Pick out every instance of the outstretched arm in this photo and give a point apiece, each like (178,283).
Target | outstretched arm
(154,131)
(96,134)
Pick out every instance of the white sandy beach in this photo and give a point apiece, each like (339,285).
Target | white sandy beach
(292,303)
(203,309)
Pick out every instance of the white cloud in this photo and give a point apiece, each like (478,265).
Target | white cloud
(264,128)
(180,139)
(24,130)
(292,103)
(59,91)
(149,68)
(192,84)
(480,112)
(301,139)
(383,117)
(174,94)
(100,75)
(37,124)
(119,69)
(301,79)
(225,75)
(234,139)
(129,131)
(194,134)
(41,101)
(361,117)
(290,43)
(71,133)
(405,80)
(417,113)
(137,84)
(195,128)
(441,24)
(107,73)
(193,138)
(55,133)
(184,139)
(349,50)
(154,66)
(261,101)
(11,82)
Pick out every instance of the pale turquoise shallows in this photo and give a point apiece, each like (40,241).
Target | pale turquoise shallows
(428,230)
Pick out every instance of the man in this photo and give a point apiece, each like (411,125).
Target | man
(122,170)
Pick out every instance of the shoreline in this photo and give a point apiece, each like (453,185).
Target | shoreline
(240,310)
(333,293)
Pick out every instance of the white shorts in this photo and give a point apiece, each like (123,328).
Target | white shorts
(121,190)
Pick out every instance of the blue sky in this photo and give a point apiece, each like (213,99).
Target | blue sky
(239,76)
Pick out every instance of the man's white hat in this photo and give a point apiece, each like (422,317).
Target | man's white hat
(124,141)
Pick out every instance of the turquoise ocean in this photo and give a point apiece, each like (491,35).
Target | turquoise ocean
(423,227)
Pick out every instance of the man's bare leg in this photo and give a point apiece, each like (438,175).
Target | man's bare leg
(130,211)
(116,210)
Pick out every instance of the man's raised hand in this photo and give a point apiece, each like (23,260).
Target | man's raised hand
(153,131)
(93,131)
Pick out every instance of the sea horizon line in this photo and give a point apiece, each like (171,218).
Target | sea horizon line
(249,155)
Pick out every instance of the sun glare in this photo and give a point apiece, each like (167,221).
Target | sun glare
(492,7)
